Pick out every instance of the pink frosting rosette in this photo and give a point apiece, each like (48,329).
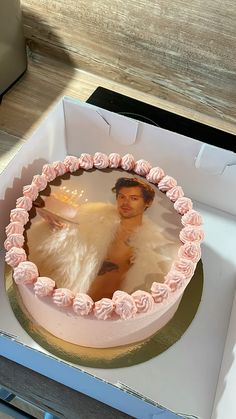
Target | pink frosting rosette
(192,218)
(40,181)
(15,256)
(174,280)
(49,172)
(191,234)
(118,294)
(127,162)
(63,297)
(14,240)
(125,305)
(166,183)
(143,301)
(186,266)
(160,292)
(14,228)
(59,168)
(20,215)
(82,304)
(191,251)
(155,175)
(142,167)
(86,161)
(100,161)
(25,273)
(175,193)
(44,286)
(24,202)
(31,191)
(103,308)
(72,163)
(183,205)
(114,160)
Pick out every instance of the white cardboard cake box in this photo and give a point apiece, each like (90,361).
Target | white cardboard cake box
(197,375)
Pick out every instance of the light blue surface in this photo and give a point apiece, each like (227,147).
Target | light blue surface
(80,380)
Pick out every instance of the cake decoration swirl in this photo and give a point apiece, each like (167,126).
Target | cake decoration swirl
(44,286)
(15,227)
(175,279)
(49,172)
(83,304)
(191,234)
(160,292)
(183,205)
(114,160)
(63,297)
(192,217)
(104,308)
(20,215)
(25,273)
(14,240)
(127,162)
(86,161)
(100,160)
(31,191)
(155,175)
(40,181)
(142,167)
(175,193)
(185,266)
(24,202)
(166,183)
(59,167)
(72,163)
(190,250)
(125,305)
(14,256)
(143,301)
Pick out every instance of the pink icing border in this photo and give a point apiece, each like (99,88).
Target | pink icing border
(122,305)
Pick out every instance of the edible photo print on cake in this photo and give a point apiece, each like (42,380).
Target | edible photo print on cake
(99,232)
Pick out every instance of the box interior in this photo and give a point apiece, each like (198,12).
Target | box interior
(183,378)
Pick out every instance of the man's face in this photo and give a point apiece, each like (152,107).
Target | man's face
(130,202)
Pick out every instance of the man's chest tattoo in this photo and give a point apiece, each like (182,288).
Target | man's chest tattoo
(108,266)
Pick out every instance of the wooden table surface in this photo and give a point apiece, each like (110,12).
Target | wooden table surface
(180,50)
(51,396)
(22,109)
(46,81)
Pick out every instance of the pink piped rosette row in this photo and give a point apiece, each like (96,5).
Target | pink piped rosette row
(123,305)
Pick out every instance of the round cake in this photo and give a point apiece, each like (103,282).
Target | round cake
(97,274)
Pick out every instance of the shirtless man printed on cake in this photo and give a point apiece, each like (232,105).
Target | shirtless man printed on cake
(98,247)
(133,197)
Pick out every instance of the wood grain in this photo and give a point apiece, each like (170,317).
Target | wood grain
(180,50)
(47,80)
(179,56)
(51,396)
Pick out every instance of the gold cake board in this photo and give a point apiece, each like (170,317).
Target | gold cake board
(117,357)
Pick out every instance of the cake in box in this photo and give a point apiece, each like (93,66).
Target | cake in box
(102,248)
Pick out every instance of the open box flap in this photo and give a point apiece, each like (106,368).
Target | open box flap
(29,160)
(211,184)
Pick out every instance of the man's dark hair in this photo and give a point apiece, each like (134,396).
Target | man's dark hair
(129,182)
